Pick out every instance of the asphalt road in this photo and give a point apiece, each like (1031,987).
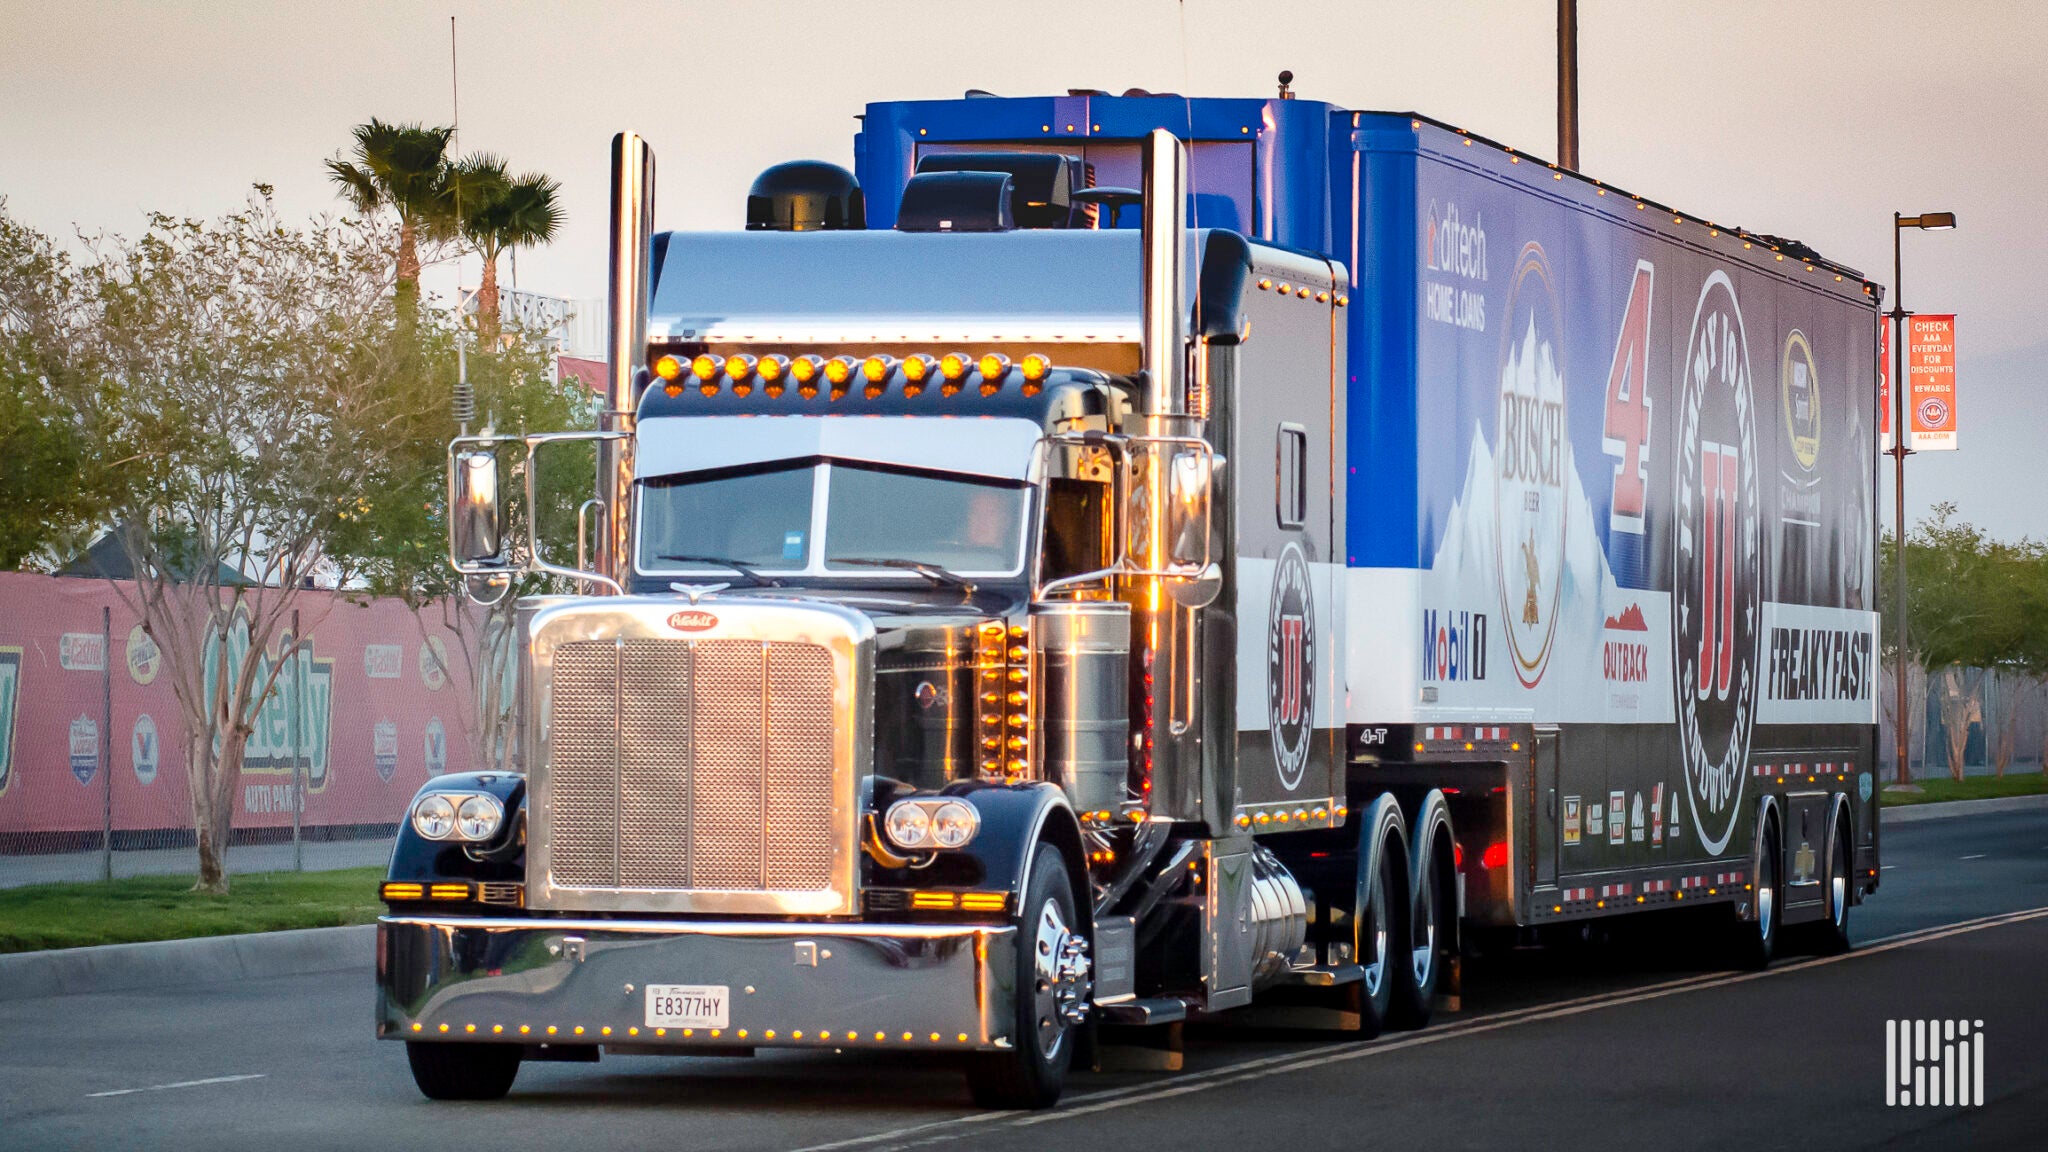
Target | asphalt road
(1630,1041)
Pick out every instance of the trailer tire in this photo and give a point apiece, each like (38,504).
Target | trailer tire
(463,1071)
(1053,970)
(1756,941)
(1831,936)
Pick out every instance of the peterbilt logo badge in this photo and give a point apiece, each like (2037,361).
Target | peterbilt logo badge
(692,621)
(1291,666)
(1716,563)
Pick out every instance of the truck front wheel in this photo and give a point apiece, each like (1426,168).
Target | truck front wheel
(1054,987)
(463,1071)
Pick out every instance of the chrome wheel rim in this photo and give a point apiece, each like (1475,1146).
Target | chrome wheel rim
(1376,944)
(1838,886)
(1062,979)
(1766,900)
(1424,955)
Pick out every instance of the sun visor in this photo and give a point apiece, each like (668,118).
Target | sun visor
(995,447)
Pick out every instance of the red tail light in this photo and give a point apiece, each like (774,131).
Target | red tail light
(1457,855)
(1495,856)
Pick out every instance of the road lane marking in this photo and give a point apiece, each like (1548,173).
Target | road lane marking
(940,1131)
(1978,856)
(179,1084)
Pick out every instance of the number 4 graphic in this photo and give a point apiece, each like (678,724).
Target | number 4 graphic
(1627,431)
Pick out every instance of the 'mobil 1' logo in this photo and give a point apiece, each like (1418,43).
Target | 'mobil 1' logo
(1716,563)
(1291,665)
(1529,462)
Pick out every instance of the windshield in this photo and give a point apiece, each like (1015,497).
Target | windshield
(771,518)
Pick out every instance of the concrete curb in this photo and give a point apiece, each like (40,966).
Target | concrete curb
(175,963)
(1914,813)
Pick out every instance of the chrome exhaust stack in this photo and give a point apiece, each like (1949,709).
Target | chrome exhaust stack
(1164,340)
(632,235)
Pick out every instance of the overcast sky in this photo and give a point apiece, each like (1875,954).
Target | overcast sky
(1812,119)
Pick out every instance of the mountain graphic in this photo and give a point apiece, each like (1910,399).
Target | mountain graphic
(1630,620)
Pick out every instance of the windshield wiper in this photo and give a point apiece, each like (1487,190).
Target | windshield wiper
(746,570)
(931,572)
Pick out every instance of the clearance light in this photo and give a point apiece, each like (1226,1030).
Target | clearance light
(704,367)
(984,901)
(400,891)
(1035,367)
(448,891)
(838,370)
(772,370)
(668,367)
(805,369)
(932,899)
(954,366)
(876,369)
(993,367)
(740,369)
(916,370)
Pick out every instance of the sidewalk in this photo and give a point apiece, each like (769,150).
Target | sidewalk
(320,855)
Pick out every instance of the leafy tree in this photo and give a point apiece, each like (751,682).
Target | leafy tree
(249,377)
(51,490)
(496,212)
(402,167)
(1967,610)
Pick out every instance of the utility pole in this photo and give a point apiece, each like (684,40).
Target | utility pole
(1901,448)
(1568,84)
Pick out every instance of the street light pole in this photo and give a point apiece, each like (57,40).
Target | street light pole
(1900,449)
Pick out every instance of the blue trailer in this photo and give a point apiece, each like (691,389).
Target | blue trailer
(1112,558)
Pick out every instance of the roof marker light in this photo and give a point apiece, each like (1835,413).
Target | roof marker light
(668,368)
(1035,367)
(772,370)
(704,367)
(804,370)
(916,370)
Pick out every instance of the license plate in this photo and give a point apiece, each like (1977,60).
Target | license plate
(687,1005)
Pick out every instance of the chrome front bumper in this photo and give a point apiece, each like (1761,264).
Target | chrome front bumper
(529,981)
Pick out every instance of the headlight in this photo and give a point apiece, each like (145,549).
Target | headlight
(478,817)
(434,817)
(909,825)
(954,824)
(921,825)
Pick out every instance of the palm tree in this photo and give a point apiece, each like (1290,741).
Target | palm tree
(401,166)
(495,213)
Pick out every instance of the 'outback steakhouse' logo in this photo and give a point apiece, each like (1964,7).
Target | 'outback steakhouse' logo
(1530,456)
(692,621)
(1716,563)
(1291,665)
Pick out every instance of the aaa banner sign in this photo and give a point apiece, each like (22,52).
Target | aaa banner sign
(1931,382)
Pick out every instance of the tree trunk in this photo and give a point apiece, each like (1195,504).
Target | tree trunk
(1959,709)
(408,292)
(487,304)
(214,809)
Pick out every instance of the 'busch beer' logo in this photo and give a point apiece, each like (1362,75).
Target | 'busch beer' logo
(692,620)
(1716,577)
(1291,666)
(1530,456)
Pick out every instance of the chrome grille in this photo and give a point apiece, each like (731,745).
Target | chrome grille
(691,765)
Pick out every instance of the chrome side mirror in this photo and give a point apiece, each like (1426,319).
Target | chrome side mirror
(1187,521)
(473,515)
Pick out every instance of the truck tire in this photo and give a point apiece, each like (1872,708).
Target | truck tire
(1379,931)
(1831,936)
(463,1071)
(1054,985)
(1421,964)
(1756,942)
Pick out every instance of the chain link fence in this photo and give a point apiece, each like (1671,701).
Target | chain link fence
(374,700)
(1999,717)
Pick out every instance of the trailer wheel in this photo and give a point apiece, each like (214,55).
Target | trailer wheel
(1756,942)
(1054,986)
(463,1071)
(1831,936)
